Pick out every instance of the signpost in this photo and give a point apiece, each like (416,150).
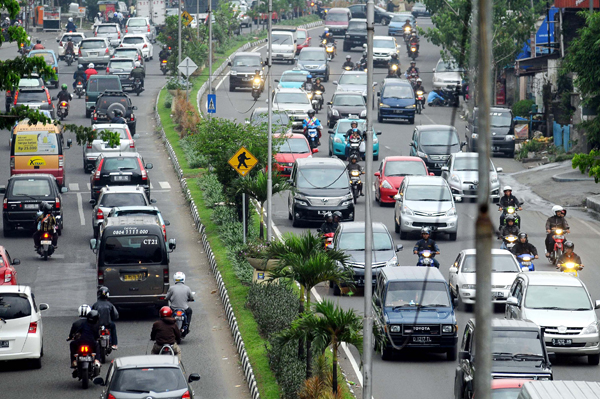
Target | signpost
(243,162)
(211,102)
(186,68)
(186,18)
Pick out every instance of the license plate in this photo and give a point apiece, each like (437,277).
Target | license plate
(33,106)
(85,358)
(4,344)
(30,206)
(398,111)
(561,342)
(497,294)
(120,178)
(133,277)
(421,340)
(247,79)
(322,212)
(92,54)
(46,242)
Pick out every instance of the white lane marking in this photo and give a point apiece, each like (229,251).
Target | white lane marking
(430,120)
(164,184)
(590,226)
(151,186)
(89,186)
(222,80)
(80,207)
(73,186)
(258,48)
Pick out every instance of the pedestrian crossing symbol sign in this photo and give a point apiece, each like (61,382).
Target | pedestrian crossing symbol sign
(243,161)
(186,18)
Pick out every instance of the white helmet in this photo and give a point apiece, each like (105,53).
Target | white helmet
(91,66)
(557,208)
(70,19)
(179,277)
(84,310)
(507,188)
(137,64)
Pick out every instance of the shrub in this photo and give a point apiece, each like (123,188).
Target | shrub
(530,146)
(194,159)
(522,108)
(185,116)
(168,100)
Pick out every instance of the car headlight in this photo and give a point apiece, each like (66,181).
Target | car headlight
(468,286)
(392,262)
(233,73)
(386,184)
(451,212)
(449,328)
(348,197)
(411,106)
(395,329)
(474,135)
(591,329)
(382,105)
(337,140)
(421,154)
(375,140)
(494,178)
(335,112)
(301,199)
(363,113)
(509,137)
(406,210)
(324,66)
(455,178)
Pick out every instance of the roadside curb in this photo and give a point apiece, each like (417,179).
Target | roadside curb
(593,203)
(237,336)
(561,179)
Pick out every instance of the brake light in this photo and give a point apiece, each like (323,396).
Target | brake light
(89,145)
(166,276)
(107,70)
(57,203)
(60,44)
(139,57)
(143,169)
(106,51)
(84,349)
(98,169)
(148,28)
(80,52)
(105,332)
(164,229)
(99,214)
(8,93)
(16,96)
(131,144)
(48,97)
(45,235)
(119,35)
(95,34)
(145,45)
(7,277)
(63,104)
(32,328)
(111,396)
(132,117)
(186,395)
(100,277)
(126,30)
(5,204)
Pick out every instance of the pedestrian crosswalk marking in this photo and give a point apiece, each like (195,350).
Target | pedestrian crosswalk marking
(164,185)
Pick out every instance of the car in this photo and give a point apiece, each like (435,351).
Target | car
(383,48)
(518,351)
(137,210)
(115,196)
(337,19)
(96,85)
(559,389)
(434,144)
(461,276)
(353,81)
(122,68)
(462,175)
(303,39)
(295,102)
(26,82)
(279,119)
(51,60)
(92,150)
(314,61)
(96,50)
(242,69)
(344,104)
(141,42)
(356,34)
(400,297)
(21,335)
(35,98)
(125,169)
(337,144)
(132,53)
(295,146)
(425,201)
(447,74)
(140,25)
(243,17)
(76,38)
(396,25)
(508,388)
(110,101)
(396,101)
(503,131)
(349,238)
(133,377)
(560,303)
(360,11)
(291,79)
(391,173)
(22,197)
(8,273)
(419,10)
(110,31)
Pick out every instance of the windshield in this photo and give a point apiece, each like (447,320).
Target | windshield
(146,380)
(312,55)
(116,164)
(294,146)
(357,25)
(315,178)
(122,132)
(505,393)
(291,98)
(403,168)
(132,250)
(401,18)
(76,39)
(557,297)
(293,77)
(356,242)
(121,64)
(92,44)
(111,200)
(126,53)
(500,264)
(135,212)
(348,100)
(133,40)
(427,193)
(14,306)
(48,57)
(25,97)
(106,29)
(245,61)
(397,91)
(337,17)
(468,164)
(500,119)
(383,43)
(353,79)
(30,82)
(414,293)
(278,118)
(439,138)
(344,126)
(301,36)
(36,143)
(136,22)
(443,66)
(31,187)
(282,39)
(516,342)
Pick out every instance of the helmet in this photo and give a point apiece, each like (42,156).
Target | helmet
(165,311)
(64,86)
(419,80)
(353,157)
(69,39)
(557,208)
(395,55)
(84,310)
(337,214)
(137,64)
(413,33)
(425,230)
(507,188)
(91,65)
(116,15)
(45,207)
(80,66)
(569,244)
(164,47)
(93,316)
(522,235)
(328,215)
(510,217)
(408,20)
(179,277)
(326,30)
(354,123)
(308,77)
(413,62)
(70,19)
(348,57)
(311,113)
(103,292)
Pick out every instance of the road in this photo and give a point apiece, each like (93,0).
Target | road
(68,279)
(429,375)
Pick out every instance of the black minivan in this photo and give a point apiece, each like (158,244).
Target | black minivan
(503,131)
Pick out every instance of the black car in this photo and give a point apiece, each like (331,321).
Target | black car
(22,197)
(356,34)
(110,101)
(360,11)
(434,144)
(518,351)
(503,131)
(345,105)
(242,69)
(419,10)
(126,169)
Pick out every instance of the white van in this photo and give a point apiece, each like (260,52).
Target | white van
(284,46)
(560,390)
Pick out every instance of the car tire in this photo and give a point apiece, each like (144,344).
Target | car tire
(451,354)
(36,363)
(396,226)
(385,21)
(386,353)
(330,152)
(594,360)
(411,121)
(88,113)
(379,118)
(452,236)
(511,154)
(376,157)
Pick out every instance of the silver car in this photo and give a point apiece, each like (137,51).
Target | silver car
(129,52)
(140,25)
(462,175)
(76,38)
(92,151)
(96,50)
(446,74)
(295,102)
(110,31)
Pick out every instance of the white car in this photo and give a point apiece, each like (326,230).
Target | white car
(243,16)
(141,42)
(21,331)
(446,74)
(505,269)
(295,102)
(76,37)
(383,48)
(462,175)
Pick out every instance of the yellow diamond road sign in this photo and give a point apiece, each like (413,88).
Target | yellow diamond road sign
(187,18)
(243,161)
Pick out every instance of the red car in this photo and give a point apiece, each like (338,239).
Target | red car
(303,39)
(507,388)
(295,146)
(8,274)
(391,173)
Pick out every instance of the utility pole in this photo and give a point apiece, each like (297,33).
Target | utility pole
(198,19)
(368,313)
(591,6)
(179,35)
(210,54)
(483,225)
(270,126)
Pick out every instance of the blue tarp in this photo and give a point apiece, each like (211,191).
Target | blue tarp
(541,37)
(520,119)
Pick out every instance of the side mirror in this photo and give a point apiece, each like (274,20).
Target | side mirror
(152,201)
(149,166)
(92,202)
(64,190)
(134,108)
(329,102)
(93,243)
(3,188)
(276,80)
(194,377)
(511,300)
(445,169)
(499,170)
(228,63)
(464,355)
(453,270)
(16,262)
(597,305)
(378,133)
(172,244)
(399,247)
(315,150)
(457,198)
(98,381)
(398,197)
(44,306)
(167,223)
(335,82)
(136,136)
(377,174)
(330,131)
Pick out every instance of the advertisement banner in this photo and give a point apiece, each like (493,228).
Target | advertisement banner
(51,13)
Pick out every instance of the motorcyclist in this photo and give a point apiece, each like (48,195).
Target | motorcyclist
(434,98)
(354,133)
(115,18)
(337,218)
(362,63)
(79,76)
(407,24)
(311,121)
(412,69)
(70,47)
(164,53)
(5,23)
(523,246)
(394,60)
(348,63)
(165,332)
(325,33)
(64,94)
(413,40)
(308,86)
(71,27)
(84,331)
(419,87)
(510,228)
(569,255)
(118,117)
(107,313)
(45,222)
(508,200)
(426,243)
(179,295)
(318,86)
(328,226)
(553,222)
(354,165)
(90,71)
(138,73)
(38,45)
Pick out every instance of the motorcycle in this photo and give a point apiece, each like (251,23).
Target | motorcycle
(394,70)
(451,97)
(558,235)
(329,49)
(420,100)
(86,369)
(69,59)
(357,147)
(571,268)
(256,88)
(407,32)
(104,344)
(46,249)
(349,68)
(526,262)
(426,258)
(413,51)
(312,134)
(167,350)
(327,238)
(355,184)
(509,241)
(509,210)
(62,110)
(137,86)
(412,78)
(317,100)
(79,89)
(163,67)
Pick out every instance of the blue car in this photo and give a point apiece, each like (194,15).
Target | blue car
(337,145)
(292,79)
(395,28)
(396,101)
(51,60)
(314,61)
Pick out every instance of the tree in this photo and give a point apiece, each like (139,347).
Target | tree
(588,163)
(329,325)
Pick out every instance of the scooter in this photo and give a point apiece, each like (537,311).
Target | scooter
(355,184)
(426,258)
(69,59)
(104,344)
(62,110)
(256,88)
(46,249)
(509,241)
(420,97)
(571,268)
(79,89)
(393,70)
(312,134)
(413,51)
(163,67)
(329,49)
(167,350)
(451,97)
(407,32)
(526,262)
(86,369)
(509,210)
(137,86)
(558,235)
(317,100)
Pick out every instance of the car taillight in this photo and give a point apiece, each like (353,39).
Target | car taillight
(148,28)
(98,169)
(145,45)
(60,44)
(89,145)
(164,229)
(80,52)
(132,117)
(57,203)
(16,96)
(106,51)
(143,169)
(61,161)
(127,30)
(107,70)
(32,328)
(95,34)
(12,162)
(110,396)
(100,277)
(95,117)
(166,276)
(131,144)
(139,57)
(186,395)
(8,93)
(99,215)
(5,203)
(48,97)
(119,35)
(7,277)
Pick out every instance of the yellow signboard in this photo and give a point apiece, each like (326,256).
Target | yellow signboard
(27,143)
(243,161)
(186,18)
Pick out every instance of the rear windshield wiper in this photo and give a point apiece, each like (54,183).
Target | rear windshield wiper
(125,168)
(27,195)
(528,356)
(137,390)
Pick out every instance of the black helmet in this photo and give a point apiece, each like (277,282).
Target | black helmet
(354,123)
(311,113)
(103,292)
(569,244)
(328,215)
(93,316)
(395,55)
(523,235)
(425,230)
(337,214)
(38,41)
(69,39)
(510,217)
(353,157)
(45,207)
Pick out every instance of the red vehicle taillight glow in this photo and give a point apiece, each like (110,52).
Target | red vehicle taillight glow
(186,395)
(79,52)
(16,96)
(95,34)
(132,144)
(148,28)
(143,169)
(32,328)
(5,204)
(164,229)
(106,51)
(61,161)
(84,349)
(107,70)
(64,104)
(48,97)
(100,277)
(98,169)
(57,203)
(46,235)
(132,117)
(110,396)
(99,215)
(60,43)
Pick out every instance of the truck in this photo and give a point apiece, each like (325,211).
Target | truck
(154,10)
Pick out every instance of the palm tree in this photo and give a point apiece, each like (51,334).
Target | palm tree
(256,187)
(329,326)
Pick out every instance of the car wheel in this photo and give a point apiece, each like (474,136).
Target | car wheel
(231,88)
(36,363)
(376,157)
(346,48)
(452,236)
(387,353)
(330,152)
(594,360)
(379,118)
(396,226)
(411,121)
(385,21)
(511,154)
(451,354)
(336,290)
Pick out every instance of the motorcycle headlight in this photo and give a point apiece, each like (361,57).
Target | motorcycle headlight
(451,212)
(233,73)
(363,113)
(421,154)
(509,137)
(382,105)
(474,135)
(455,178)
(558,231)
(526,258)
(411,106)
(337,140)
(510,210)
(392,262)
(591,329)
(406,210)
(310,96)
(468,286)
(386,184)
(449,328)
(257,81)
(335,112)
